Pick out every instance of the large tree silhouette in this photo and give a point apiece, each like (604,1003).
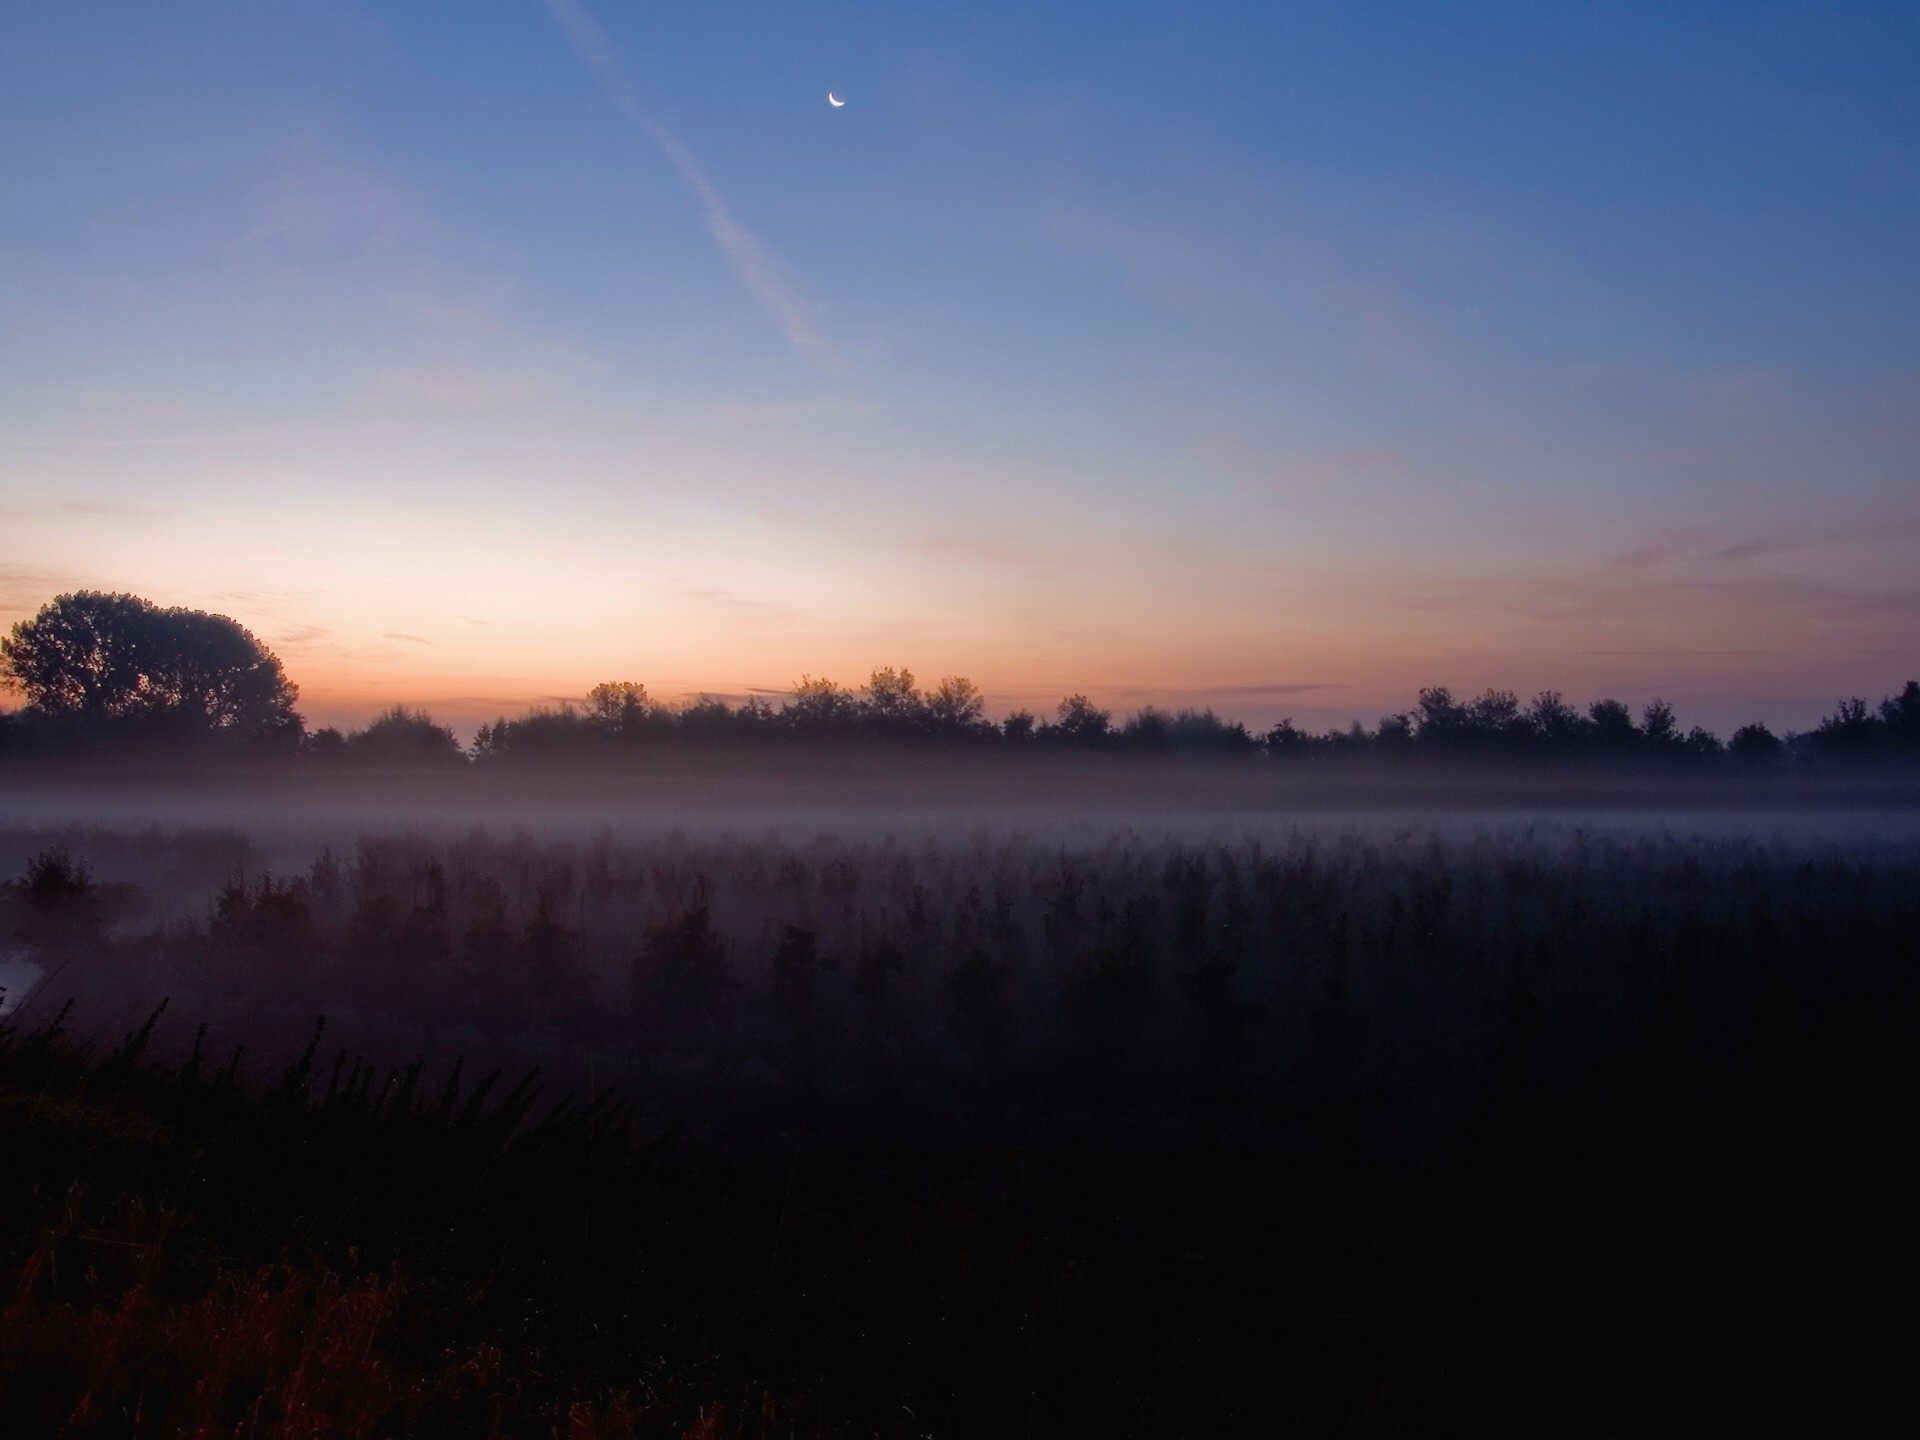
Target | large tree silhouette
(91,658)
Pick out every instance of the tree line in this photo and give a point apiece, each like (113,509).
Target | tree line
(105,671)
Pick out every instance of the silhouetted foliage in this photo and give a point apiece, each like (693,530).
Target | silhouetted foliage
(957,710)
(263,937)
(1755,746)
(679,980)
(820,707)
(1440,721)
(621,709)
(116,666)
(1287,741)
(1900,714)
(400,735)
(54,909)
(1079,722)
(1184,732)
(1854,734)
(1549,731)
(1203,732)
(893,706)
(805,1026)
(547,735)
(94,664)
(1554,723)
(1659,731)
(327,744)
(1612,727)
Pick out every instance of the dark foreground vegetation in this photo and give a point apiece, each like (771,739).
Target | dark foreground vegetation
(1490,1133)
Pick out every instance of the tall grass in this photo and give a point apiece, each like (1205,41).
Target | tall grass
(1395,981)
(1481,1131)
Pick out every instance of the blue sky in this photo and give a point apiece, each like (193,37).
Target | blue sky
(1281,357)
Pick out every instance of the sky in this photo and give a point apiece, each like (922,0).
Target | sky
(1283,358)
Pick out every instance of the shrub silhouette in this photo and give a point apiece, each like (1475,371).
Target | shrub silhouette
(803,1023)
(1079,722)
(678,981)
(1755,745)
(981,1015)
(262,938)
(403,736)
(55,908)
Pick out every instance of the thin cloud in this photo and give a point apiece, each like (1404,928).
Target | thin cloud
(138,442)
(1761,549)
(111,510)
(1697,546)
(263,598)
(23,589)
(731,602)
(1797,613)
(317,203)
(787,409)
(982,552)
(27,588)
(1208,692)
(403,635)
(750,262)
(489,702)
(1289,689)
(86,509)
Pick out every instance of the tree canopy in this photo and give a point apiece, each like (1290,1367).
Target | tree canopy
(101,659)
(400,735)
(94,663)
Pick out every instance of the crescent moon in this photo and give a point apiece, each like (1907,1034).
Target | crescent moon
(834,100)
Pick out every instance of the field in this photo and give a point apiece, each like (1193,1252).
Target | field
(957,1123)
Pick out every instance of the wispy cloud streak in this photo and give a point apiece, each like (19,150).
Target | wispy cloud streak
(750,262)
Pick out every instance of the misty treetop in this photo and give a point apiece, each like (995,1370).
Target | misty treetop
(100,670)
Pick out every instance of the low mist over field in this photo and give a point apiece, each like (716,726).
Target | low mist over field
(552,912)
(1032,960)
(1119,1063)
